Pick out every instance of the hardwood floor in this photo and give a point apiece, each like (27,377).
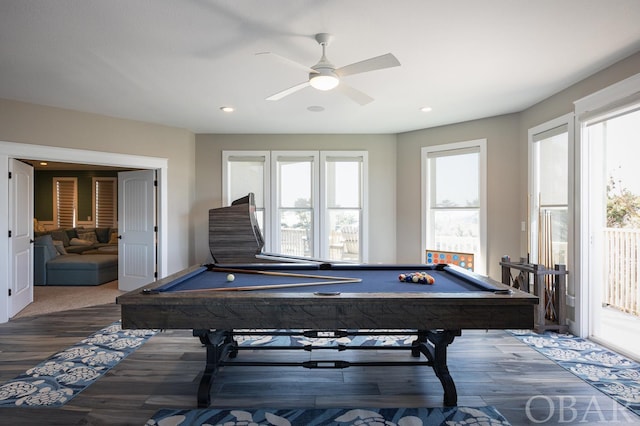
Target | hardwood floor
(489,368)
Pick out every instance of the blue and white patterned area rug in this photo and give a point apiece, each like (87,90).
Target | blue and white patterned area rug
(611,373)
(55,381)
(449,416)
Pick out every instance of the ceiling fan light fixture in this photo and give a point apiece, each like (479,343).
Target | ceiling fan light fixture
(324,80)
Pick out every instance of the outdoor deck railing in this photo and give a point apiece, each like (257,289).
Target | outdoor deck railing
(623,268)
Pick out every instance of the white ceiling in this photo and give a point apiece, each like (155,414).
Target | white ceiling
(177,62)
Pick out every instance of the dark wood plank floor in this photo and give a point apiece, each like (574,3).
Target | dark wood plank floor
(489,368)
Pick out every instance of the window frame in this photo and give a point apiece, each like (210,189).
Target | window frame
(270,181)
(74,207)
(95,181)
(587,110)
(227,156)
(275,196)
(426,211)
(567,121)
(364,202)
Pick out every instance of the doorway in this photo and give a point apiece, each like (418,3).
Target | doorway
(77,205)
(10,150)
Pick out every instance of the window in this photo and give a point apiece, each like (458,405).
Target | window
(105,201)
(344,217)
(295,207)
(454,188)
(65,201)
(245,172)
(308,203)
(549,215)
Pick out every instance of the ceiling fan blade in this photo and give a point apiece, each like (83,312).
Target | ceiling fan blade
(288,91)
(288,61)
(372,64)
(354,94)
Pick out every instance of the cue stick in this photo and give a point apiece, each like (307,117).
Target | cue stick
(278,274)
(271,286)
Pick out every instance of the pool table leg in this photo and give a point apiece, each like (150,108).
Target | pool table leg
(437,356)
(219,344)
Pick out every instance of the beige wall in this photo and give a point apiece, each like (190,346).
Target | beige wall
(382,180)
(503,151)
(40,125)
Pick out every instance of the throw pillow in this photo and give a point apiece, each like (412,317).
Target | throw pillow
(80,242)
(72,233)
(59,245)
(89,236)
(103,235)
(60,235)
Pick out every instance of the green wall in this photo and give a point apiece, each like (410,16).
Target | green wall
(43,191)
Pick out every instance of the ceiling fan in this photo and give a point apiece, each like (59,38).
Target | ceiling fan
(325,76)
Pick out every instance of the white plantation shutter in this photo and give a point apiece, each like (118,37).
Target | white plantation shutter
(65,202)
(105,204)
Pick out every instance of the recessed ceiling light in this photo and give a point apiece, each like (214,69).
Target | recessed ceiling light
(426,109)
(315,108)
(227,109)
(43,163)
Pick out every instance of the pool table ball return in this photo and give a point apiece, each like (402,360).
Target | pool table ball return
(326,300)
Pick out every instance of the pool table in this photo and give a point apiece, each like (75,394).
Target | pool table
(326,298)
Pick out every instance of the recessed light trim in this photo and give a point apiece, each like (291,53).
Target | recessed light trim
(315,108)
(227,109)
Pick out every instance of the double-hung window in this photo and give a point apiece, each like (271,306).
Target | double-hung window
(295,218)
(344,191)
(454,199)
(244,172)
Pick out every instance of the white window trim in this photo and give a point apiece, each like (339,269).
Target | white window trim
(266,187)
(315,191)
(532,201)
(481,259)
(605,99)
(364,200)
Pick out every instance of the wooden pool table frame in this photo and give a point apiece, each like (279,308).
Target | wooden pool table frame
(435,318)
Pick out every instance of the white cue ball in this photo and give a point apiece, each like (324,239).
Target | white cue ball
(231,277)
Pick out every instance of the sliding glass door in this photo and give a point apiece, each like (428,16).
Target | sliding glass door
(612,142)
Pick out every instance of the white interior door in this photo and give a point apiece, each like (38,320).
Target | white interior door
(21,235)
(136,228)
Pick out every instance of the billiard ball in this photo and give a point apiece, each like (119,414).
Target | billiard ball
(231,277)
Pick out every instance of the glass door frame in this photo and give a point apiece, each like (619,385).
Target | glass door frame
(610,98)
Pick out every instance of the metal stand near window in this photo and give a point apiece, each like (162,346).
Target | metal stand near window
(550,285)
